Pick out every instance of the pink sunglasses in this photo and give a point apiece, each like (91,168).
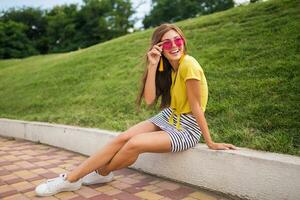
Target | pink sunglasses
(167,45)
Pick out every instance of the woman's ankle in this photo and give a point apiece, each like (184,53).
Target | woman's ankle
(71,178)
(102,172)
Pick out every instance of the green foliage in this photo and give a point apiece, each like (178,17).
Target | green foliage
(254,1)
(99,21)
(13,40)
(172,11)
(61,28)
(35,27)
(250,56)
(66,28)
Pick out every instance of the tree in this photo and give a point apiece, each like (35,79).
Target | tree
(14,42)
(172,11)
(103,20)
(35,22)
(61,28)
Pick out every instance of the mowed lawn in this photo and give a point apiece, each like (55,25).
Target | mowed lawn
(250,55)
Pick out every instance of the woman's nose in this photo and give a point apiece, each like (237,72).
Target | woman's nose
(173,43)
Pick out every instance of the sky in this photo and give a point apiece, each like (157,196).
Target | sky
(143,9)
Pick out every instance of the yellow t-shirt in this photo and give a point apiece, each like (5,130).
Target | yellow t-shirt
(188,68)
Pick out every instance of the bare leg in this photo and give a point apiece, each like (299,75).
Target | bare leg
(103,156)
(156,142)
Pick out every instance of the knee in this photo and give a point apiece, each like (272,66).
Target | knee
(133,145)
(122,138)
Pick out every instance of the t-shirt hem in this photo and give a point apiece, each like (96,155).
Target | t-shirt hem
(192,77)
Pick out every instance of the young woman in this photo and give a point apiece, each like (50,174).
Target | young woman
(178,80)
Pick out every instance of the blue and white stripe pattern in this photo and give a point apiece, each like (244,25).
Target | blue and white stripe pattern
(183,139)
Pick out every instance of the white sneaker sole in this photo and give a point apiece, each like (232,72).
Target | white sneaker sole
(56,192)
(97,182)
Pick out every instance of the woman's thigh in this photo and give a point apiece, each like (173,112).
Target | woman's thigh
(155,142)
(142,127)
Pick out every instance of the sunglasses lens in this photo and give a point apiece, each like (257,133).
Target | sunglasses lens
(178,42)
(167,45)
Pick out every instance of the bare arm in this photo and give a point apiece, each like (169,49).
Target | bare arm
(193,94)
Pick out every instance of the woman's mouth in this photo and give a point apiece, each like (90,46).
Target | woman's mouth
(174,52)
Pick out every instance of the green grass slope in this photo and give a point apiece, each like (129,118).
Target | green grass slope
(250,55)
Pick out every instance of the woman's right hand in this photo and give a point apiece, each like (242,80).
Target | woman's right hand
(154,55)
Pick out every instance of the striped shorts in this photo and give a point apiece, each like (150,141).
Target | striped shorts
(183,139)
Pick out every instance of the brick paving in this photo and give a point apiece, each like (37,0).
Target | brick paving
(24,165)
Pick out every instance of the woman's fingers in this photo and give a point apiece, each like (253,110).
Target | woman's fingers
(154,56)
(159,44)
(155,52)
(230,146)
(222,146)
(157,47)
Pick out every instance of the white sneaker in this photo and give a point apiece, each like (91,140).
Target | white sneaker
(95,178)
(56,185)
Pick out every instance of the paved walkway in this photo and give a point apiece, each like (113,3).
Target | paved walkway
(24,164)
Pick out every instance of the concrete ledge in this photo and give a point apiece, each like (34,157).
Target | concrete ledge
(244,173)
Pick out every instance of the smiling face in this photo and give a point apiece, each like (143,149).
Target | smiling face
(173,48)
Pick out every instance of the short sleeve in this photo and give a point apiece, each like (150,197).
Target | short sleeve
(190,70)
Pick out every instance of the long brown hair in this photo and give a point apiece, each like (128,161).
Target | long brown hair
(163,78)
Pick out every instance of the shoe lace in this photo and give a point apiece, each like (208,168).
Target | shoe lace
(52,183)
(53,179)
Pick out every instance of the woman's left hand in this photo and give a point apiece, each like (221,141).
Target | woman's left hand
(221,146)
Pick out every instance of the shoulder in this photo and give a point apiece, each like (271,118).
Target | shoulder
(189,63)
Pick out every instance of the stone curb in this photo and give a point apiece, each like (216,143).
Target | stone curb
(243,173)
